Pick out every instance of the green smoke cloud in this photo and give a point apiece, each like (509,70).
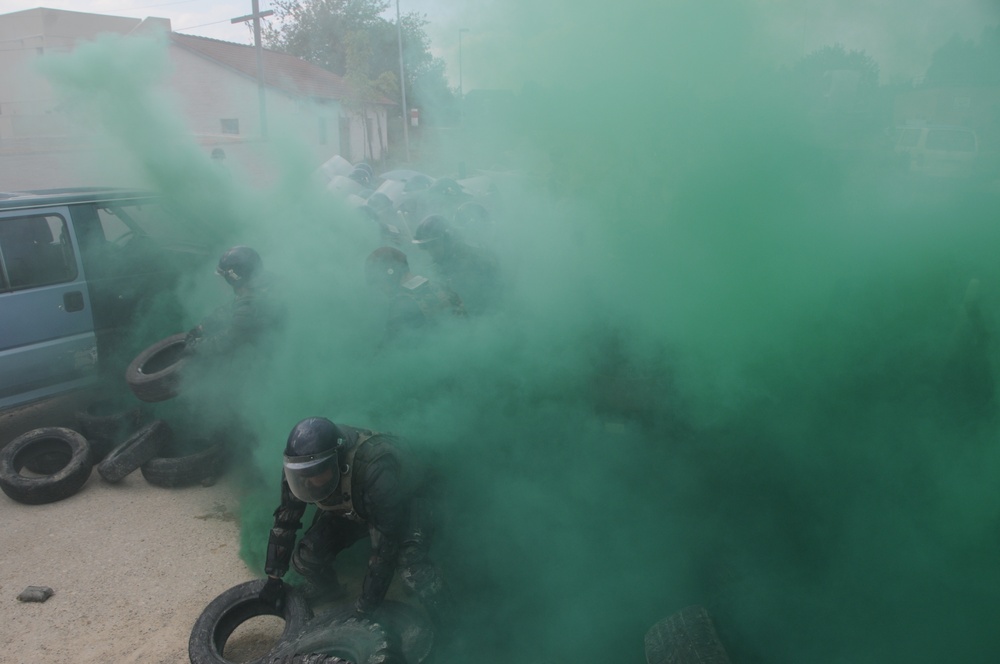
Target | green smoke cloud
(736,366)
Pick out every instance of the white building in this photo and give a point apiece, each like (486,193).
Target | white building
(214,83)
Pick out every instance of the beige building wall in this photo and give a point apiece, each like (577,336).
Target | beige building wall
(219,106)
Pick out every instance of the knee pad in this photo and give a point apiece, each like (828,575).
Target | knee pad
(307,563)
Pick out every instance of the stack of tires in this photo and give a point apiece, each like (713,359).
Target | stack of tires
(399,633)
(116,435)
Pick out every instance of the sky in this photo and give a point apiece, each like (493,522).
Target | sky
(900,38)
(212,18)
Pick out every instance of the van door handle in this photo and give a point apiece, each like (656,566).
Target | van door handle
(73,301)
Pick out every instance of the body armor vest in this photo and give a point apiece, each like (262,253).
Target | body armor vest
(341,502)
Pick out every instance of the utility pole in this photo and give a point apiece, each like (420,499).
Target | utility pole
(255,17)
(402,85)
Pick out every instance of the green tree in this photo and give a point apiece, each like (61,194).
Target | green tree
(353,39)
(965,62)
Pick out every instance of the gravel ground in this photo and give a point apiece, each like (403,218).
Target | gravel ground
(132,565)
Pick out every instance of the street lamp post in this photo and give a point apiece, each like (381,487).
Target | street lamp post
(402,84)
(461,30)
(461,94)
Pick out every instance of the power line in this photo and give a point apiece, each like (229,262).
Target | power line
(192,27)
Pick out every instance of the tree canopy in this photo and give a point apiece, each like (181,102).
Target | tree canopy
(353,39)
(965,62)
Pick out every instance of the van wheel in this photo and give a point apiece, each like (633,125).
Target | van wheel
(185,469)
(230,610)
(154,374)
(140,447)
(686,637)
(55,444)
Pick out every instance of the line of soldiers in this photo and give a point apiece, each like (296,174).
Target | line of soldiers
(361,481)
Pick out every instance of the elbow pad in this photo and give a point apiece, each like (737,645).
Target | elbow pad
(279,551)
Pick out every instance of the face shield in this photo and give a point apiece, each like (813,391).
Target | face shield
(312,477)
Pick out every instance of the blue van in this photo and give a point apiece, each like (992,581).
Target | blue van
(87,277)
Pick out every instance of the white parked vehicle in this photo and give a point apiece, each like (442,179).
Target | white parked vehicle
(938,150)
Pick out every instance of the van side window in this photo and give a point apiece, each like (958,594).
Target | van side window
(114,228)
(36,251)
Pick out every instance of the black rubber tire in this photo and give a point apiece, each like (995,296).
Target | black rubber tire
(100,448)
(230,610)
(155,373)
(108,419)
(686,637)
(139,448)
(174,471)
(48,459)
(52,442)
(354,639)
(408,627)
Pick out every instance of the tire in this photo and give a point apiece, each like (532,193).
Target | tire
(51,443)
(354,639)
(173,471)
(230,610)
(100,448)
(139,448)
(409,629)
(107,419)
(154,374)
(686,637)
(48,459)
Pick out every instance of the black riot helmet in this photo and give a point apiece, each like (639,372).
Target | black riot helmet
(361,176)
(432,227)
(239,265)
(385,267)
(312,459)
(380,202)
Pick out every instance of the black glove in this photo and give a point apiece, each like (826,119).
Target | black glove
(194,335)
(273,593)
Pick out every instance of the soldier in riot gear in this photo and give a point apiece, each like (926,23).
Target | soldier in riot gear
(248,317)
(472,272)
(363,486)
(414,301)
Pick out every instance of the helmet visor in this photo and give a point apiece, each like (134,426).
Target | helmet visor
(313,477)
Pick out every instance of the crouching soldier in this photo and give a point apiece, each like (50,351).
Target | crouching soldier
(251,315)
(413,301)
(363,486)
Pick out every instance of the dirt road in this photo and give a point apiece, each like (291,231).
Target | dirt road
(132,565)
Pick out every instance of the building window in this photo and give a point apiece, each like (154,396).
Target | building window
(230,126)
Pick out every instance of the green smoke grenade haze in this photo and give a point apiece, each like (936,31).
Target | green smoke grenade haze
(733,367)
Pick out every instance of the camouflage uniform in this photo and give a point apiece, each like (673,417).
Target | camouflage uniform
(245,321)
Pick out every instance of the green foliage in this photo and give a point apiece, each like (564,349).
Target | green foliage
(965,62)
(352,39)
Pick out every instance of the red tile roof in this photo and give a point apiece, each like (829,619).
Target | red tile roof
(281,71)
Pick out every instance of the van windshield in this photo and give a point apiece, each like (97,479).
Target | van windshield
(122,219)
(954,140)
